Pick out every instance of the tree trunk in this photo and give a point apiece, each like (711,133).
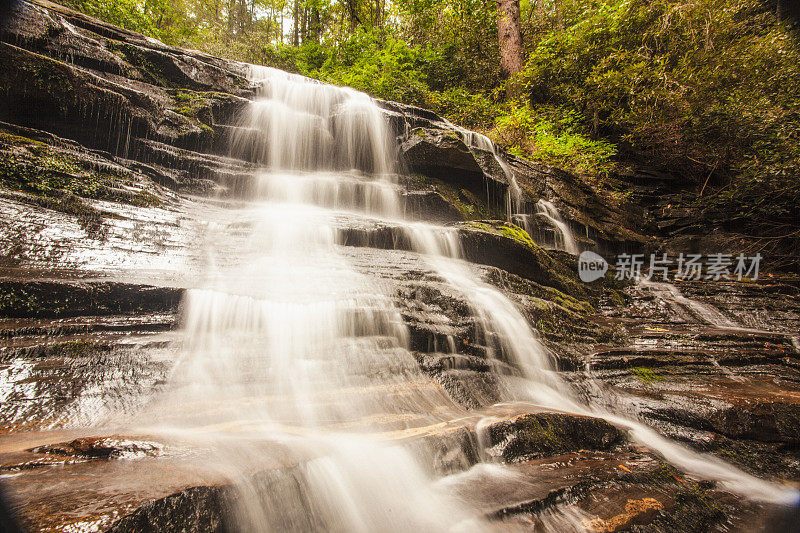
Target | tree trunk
(304,25)
(352,12)
(314,24)
(296,17)
(509,37)
(231,16)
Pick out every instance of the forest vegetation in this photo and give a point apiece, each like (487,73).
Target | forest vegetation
(708,90)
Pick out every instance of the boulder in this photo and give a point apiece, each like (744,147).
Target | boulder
(541,434)
(443,154)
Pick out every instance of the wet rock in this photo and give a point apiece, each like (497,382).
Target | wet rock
(508,247)
(636,512)
(431,205)
(29,298)
(615,229)
(110,89)
(442,154)
(442,150)
(541,434)
(201,509)
(471,389)
(102,448)
(723,389)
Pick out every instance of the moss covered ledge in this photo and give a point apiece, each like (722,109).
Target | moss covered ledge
(506,246)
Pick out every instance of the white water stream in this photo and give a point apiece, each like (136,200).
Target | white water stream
(287,341)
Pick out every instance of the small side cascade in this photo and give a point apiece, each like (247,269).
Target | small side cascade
(514,193)
(562,239)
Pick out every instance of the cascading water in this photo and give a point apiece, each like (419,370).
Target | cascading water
(514,342)
(667,292)
(562,239)
(286,342)
(482,142)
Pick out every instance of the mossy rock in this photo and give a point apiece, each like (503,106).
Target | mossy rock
(508,247)
(63,179)
(545,434)
(506,229)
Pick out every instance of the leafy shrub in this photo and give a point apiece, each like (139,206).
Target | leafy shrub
(554,136)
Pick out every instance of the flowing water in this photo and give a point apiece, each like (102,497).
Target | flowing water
(548,214)
(668,292)
(286,341)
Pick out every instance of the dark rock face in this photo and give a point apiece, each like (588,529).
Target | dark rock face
(201,509)
(53,299)
(443,154)
(546,434)
(428,150)
(431,205)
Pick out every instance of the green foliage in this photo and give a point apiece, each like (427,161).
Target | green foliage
(707,87)
(167,20)
(379,64)
(472,110)
(554,136)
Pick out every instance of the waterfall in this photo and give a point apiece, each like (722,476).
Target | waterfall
(514,200)
(297,123)
(285,341)
(289,350)
(563,239)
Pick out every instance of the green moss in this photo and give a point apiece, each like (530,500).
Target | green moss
(47,174)
(7,140)
(506,229)
(74,348)
(143,198)
(645,375)
(195,105)
(617,297)
(186,111)
(132,55)
(543,434)
(60,181)
(17,301)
